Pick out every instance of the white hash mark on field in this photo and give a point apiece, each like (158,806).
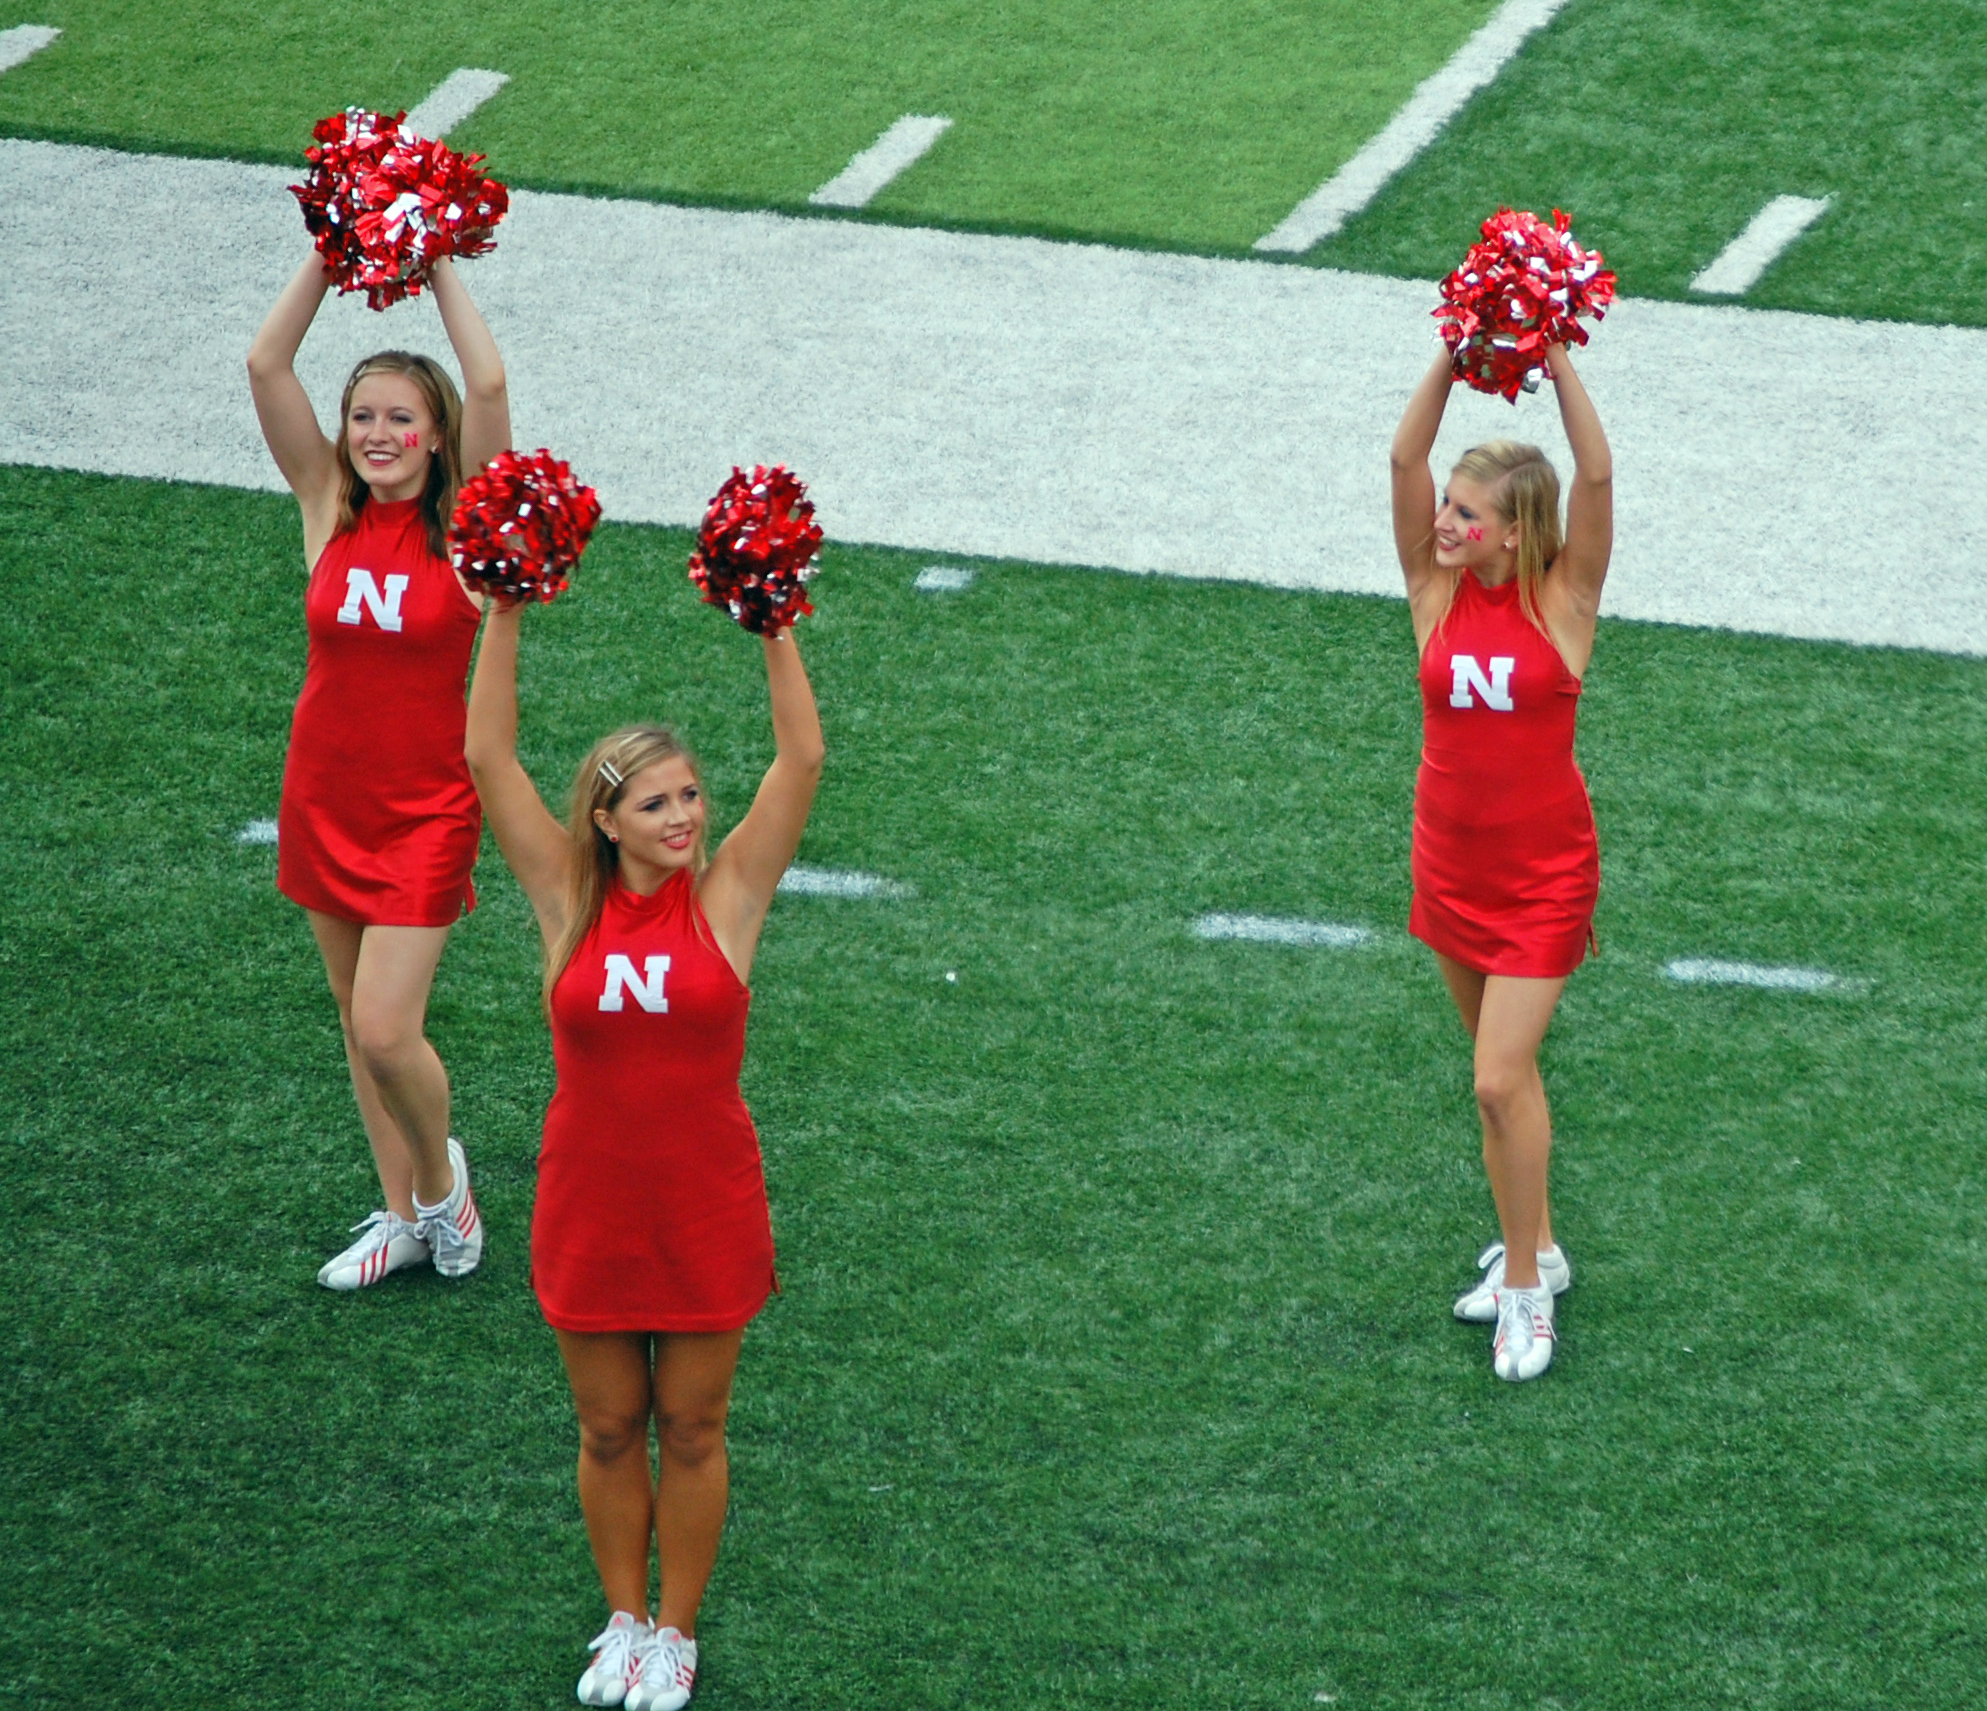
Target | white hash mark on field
(257,832)
(23,42)
(453,99)
(1439,99)
(1753,251)
(1269,930)
(943,579)
(1697,971)
(840,882)
(898,148)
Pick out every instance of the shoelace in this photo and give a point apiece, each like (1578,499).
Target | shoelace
(667,1664)
(390,1224)
(1515,1327)
(613,1647)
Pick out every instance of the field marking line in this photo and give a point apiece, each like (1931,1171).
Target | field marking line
(1438,100)
(23,42)
(1705,971)
(799,881)
(1271,930)
(453,99)
(899,147)
(257,832)
(1754,250)
(942,579)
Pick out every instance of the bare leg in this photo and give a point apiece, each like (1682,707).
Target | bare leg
(338,942)
(610,1378)
(692,1396)
(1507,1017)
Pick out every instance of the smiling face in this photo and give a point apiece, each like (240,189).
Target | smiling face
(391,436)
(1470,534)
(658,824)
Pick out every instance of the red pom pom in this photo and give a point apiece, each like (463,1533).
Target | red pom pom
(520,525)
(1521,288)
(384,205)
(755,552)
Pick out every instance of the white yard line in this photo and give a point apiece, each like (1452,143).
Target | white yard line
(23,42)
(801,881)
(942,579)
(1753,251)
(898,148)
(453,99)
(1438,100)
(1271,930)
(989,397)
(257,832)
(1704,972)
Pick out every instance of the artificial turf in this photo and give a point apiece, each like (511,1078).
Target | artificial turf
(1115,1366)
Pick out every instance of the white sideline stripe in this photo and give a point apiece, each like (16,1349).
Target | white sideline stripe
(942,579)
(453,99)
(974,398)
(1438,100)
(23,42)
(1753,251)
(257,832)
(840,882)
(1701,972)
(1268,930)
(890,154)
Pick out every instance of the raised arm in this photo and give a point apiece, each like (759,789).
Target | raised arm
(737,888)
(1414,486)
(308,460)
(486,405)
(1582,565)
(535,846)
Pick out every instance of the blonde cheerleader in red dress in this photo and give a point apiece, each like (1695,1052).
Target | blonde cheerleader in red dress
(1506,867)
(651,1247)
(379,825)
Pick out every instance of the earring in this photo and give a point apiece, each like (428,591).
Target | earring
(613,838)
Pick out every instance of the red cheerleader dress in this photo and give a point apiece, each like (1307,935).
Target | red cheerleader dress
(1506,865)
(651,1212)
(380,821)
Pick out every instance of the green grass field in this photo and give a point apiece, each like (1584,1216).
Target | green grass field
(1171,123)
(1115,1365)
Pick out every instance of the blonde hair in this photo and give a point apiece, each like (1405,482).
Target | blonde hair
(1524,489)
(600,783)
(444,468)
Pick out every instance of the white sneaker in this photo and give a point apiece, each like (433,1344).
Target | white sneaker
(454,1229)
(669,1670)
(617,1659)
(1523,1346)
(387,1242)
(1479,1305)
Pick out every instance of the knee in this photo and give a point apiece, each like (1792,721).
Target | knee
(385,1043)
(691,1439)
(1499,1089)
(607,1434)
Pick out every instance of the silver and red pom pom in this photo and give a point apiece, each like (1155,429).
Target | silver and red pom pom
(384,205)
(756,551)
(1522,287)
(520,525)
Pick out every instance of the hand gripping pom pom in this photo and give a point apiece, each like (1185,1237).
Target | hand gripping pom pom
(520,525)
(1521,288)
(385,205)
(755,552)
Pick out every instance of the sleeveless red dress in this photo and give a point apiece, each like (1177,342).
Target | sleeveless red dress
(380,822)
(651,1211)
(1506,865)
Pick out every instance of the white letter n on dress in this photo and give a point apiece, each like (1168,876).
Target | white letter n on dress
(385,608)
(1465,674)
(647,988)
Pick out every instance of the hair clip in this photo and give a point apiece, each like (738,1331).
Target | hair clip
(609,772)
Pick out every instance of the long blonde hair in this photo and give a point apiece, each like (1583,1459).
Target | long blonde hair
(600,783)
(444,468)
(1524,488)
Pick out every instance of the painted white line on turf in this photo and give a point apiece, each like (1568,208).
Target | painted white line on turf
(942,579)
(1269,930)
(23,42)
(1439,99)
(839,882)
(1696,971)
(453,99)
(987,398)
(899,147)
(1753,251)
(257,832)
